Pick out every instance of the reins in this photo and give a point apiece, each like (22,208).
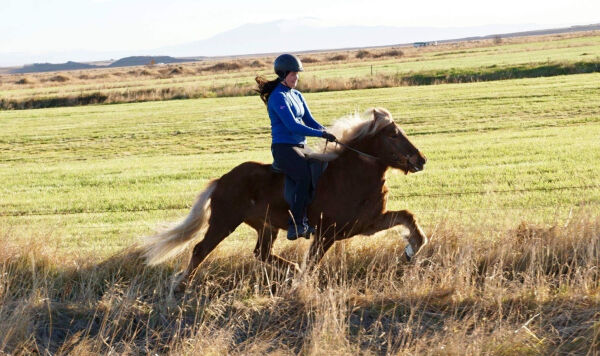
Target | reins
(364,154)
(355,150)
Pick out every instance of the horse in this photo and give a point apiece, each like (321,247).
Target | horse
(350,198)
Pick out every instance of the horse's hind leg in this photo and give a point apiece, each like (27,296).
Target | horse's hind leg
(263,250)
(416,238)
(317,250)
(214,235)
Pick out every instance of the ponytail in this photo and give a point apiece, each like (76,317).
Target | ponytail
(265,87)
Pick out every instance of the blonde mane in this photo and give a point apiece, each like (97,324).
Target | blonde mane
(351,128)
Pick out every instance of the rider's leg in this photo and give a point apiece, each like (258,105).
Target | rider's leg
(293,163)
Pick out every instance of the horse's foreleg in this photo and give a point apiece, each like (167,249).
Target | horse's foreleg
(263,250)
(416,238)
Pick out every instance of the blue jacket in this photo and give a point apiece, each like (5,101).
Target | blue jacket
(291,120)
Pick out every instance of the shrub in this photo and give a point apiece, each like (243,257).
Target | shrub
(390,53)
(256,64)
(338,57)
(222,66)
(24,81)
(309,60)
(363,54)
(176,70)
(59,78)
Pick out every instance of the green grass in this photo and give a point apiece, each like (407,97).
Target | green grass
(96,178)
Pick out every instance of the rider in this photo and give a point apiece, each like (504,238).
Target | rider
(291,122)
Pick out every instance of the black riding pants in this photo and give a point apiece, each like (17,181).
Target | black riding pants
(291,160)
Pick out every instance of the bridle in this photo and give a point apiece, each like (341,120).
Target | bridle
(407,157)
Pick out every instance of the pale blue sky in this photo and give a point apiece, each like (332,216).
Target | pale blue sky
(59,25)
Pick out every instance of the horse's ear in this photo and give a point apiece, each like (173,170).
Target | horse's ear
(370,114)
(381,114)
(373,119)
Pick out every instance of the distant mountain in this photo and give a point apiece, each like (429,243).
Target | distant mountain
(17,59)
(308,34)
(50,67)
(297,36)
(123,62)
(144,60)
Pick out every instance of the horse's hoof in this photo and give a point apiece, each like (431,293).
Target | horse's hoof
(179,288)
(409,253)
(178,285)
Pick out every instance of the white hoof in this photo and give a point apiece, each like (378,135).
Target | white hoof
(409,252)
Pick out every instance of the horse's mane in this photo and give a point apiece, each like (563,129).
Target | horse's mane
(353,128)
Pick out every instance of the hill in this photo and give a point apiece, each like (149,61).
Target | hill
(51,67)
(123,62)
(144,60)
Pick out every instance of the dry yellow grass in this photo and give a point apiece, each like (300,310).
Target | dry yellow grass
(527,290)
(109,75)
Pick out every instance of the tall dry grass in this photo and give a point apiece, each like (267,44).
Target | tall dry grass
(528,290)
(308,84)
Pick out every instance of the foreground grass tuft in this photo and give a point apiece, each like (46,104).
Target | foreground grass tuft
(528,290)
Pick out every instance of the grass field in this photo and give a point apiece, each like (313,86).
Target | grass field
(510,197)
(526,147)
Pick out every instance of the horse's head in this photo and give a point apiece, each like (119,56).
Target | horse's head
(393,147)
(376,134)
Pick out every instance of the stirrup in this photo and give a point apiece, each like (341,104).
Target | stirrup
(294,233)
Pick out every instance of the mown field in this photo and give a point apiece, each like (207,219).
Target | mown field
(510,197)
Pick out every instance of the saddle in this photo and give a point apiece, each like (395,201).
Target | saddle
(316,166)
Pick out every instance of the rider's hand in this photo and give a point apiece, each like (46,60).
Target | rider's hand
(329,137)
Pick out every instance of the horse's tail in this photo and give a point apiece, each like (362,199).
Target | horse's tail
(170,243)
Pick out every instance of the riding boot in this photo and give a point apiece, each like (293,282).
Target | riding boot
(296,231)
(299,230)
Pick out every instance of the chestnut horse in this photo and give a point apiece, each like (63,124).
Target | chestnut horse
(350,199)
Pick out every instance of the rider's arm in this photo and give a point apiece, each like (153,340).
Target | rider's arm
(308,119)
(283,110)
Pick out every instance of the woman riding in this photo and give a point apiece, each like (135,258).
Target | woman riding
(291,122)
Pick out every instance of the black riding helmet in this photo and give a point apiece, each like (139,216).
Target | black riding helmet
(286,63)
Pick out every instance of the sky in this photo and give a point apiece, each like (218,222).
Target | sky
(37,26)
